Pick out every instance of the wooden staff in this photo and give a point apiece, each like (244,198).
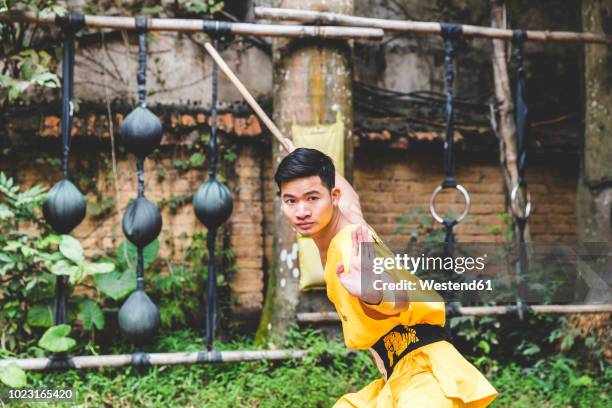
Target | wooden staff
(123,360)
(421,27)
(324,317)
(248,97)
(194,25)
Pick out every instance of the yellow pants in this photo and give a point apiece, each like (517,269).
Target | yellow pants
(417,383)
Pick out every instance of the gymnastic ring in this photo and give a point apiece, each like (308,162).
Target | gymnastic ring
(466,209)
(513,196)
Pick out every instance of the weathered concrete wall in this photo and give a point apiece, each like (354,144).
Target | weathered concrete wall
(179,69)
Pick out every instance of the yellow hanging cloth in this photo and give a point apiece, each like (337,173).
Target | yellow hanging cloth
(328,139)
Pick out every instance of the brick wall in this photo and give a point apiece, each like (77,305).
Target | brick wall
(246,229)
(390,184)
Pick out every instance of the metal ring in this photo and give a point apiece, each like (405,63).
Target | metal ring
(466,209)
(513,197)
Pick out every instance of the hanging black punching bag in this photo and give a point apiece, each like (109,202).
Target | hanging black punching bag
(139,318)
(142,222)
(213,203)
(64,207)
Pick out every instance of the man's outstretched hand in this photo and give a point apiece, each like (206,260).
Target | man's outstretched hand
(360,255)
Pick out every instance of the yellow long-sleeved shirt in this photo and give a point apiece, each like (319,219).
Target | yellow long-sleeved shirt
(362,326)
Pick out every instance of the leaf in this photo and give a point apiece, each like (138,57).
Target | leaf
(116,285)
(51,239)
(71,248)
(152,10)
(5,212)
(197,159)
(56,339)
(582,381)
(99,268)
(78,276)
(13,376)
(63,267)
(531,349)
(149,253)
(91,315)
(41,315)
(484,346)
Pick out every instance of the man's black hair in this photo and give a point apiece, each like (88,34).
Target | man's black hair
(304,162)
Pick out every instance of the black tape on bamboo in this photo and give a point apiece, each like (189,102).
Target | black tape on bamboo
(141,132)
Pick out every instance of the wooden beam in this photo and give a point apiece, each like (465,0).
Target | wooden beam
(195,25)
(325,317)
(123,360)
(420,27)
(248,97)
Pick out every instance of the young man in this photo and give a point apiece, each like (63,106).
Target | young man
(406,337)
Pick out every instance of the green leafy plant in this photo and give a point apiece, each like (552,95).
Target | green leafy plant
(422,226)
(13,376)
(122,281)
(78,270)
(27,252)
(30,258)
(28,63)
(56,339)
(179,291)
(74,265)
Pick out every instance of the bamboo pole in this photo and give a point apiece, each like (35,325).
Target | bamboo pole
(248,97)
(194,25)
(420,27)
(123,360)
(324,317)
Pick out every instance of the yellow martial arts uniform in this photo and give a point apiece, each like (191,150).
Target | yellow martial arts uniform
(434,375)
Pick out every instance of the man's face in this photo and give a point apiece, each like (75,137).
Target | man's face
(308,204)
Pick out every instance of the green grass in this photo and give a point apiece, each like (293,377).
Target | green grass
(328,372)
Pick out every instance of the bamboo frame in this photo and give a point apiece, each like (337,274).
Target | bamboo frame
(420,27)
(248,97)
(123,360)
(328,317)
(194,25)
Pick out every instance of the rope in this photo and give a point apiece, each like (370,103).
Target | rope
(451,34)
(141,28)
(211,298)
(70,24)
(141,24)
(139,269)
(212,171)
(518,39)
